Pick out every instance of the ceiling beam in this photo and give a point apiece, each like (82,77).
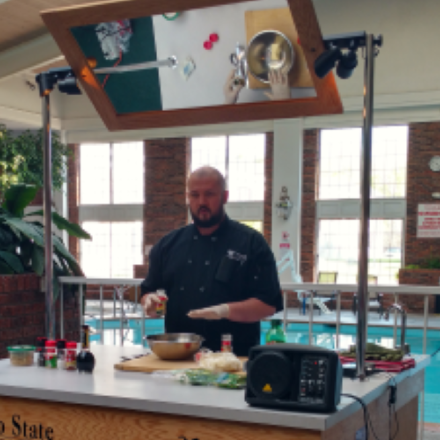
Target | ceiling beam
(28,56)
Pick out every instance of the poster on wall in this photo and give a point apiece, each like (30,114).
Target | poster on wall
(428,221)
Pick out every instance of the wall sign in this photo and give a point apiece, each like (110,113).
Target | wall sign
(428,221)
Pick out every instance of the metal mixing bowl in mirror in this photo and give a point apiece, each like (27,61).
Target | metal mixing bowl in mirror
(269,50)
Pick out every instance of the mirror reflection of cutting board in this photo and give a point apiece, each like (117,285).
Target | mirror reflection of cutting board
(279,20)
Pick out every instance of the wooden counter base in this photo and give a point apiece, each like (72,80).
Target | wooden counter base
(61,421)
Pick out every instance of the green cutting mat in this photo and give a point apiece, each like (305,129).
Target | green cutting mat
(129,92)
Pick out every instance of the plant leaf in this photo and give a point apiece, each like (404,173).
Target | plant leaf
(28,229)
(38,260)
(17,197)
(6,238)
(61,223)
(5,269)
(12,261)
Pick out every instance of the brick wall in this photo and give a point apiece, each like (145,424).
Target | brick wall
(73,195)
(308,208)
(419,277)
(268,179)
(424,142)
(166,162)
(38,200)
(22,312)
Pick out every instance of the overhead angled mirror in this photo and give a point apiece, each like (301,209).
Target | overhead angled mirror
(144,65)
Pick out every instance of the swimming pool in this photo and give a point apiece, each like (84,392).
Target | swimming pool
(323,336)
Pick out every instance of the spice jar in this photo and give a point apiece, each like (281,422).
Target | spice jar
(226,344)
(162,305)
(50,354)
(85,336)
(41,343)
(61,353)
(71,356)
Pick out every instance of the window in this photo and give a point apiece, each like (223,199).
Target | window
(239,158)
(115,249)
(340,157)
(338,249)
(112,173)
(258,226)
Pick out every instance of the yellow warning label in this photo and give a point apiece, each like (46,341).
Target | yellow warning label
(267,388)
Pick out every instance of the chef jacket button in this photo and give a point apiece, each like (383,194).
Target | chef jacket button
(207,262)
(189,261)
(202,289)
(214,238)
(195,237)
(182,288)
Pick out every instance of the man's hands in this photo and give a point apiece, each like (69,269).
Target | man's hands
(211,313)
(279,83)
(149,302)
(231,90)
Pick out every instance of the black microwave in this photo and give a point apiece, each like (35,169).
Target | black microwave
(294,377)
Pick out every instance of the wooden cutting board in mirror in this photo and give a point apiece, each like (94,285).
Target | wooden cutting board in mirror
(147,64)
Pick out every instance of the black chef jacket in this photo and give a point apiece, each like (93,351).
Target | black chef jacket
(233,264)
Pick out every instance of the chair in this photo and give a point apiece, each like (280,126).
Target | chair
(320,301)
(375,300)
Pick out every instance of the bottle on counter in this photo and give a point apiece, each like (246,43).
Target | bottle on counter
(276,334)
(71,348)
(85,361)
(162,306)
(41,348)
(61,353)
(226,344)
(50,354)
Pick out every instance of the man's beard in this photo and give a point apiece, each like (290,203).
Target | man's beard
(215,219)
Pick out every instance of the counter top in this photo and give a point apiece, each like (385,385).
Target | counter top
(110,388)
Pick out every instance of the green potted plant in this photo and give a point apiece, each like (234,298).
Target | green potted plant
(22,241)
(21,159)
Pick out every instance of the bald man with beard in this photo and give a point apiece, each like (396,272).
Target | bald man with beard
(220,275)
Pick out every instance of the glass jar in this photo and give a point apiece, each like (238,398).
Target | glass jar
(61,353)
(50,354)
(41,347)
(276,334)
(162,306)
(70,352)
(226,344)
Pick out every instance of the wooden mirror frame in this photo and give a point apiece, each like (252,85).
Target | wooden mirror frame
(59,22)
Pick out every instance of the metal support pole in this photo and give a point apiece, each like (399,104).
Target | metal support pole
(338,317)
(396,301)
(285,310)
(47,209)
(425,322)
(362,294)
(143,327)
(311,306)
(61,311)
(101,314)
(81,310)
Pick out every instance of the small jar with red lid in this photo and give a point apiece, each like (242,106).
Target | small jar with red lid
(71,348)
(50,354)
(226,344)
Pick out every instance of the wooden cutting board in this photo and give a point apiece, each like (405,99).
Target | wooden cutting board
(279,20)
(151,363)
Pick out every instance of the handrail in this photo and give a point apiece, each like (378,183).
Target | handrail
(373,288)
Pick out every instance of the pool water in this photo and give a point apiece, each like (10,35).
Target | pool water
(323,336)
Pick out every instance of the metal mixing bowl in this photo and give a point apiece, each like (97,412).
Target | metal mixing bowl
(269,50)
(174,346)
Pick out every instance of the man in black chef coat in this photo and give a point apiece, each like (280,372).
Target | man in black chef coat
(220,276)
